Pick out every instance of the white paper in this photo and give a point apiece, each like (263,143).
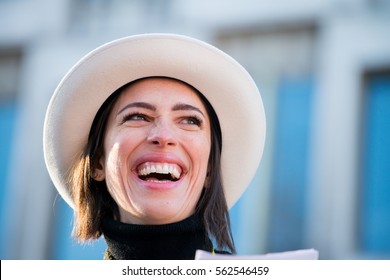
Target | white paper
(305,254)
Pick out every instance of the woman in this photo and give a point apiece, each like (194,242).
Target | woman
(151,138)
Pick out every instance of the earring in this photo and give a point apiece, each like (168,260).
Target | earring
(97,176)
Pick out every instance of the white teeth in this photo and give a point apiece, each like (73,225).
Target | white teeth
(161,169)
(176,173)
(165,169)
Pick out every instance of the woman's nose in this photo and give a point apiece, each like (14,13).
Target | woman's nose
(162,134)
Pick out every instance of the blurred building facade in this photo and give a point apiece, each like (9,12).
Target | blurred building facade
(322,67)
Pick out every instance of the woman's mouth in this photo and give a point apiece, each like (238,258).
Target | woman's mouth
(159,172)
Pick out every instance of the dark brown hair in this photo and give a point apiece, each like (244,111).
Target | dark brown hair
(93,201)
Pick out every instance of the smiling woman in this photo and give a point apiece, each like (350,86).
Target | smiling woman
(144,165)
(141,145)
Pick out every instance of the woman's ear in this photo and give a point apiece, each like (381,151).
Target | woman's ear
(98,173)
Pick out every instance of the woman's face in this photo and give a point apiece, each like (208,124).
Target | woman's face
(156,151)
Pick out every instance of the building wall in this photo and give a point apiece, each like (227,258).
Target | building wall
(310,56)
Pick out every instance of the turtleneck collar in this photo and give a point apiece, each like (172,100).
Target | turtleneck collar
(157,242)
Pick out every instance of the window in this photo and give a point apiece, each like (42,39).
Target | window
(278,194)
(9,76)
(374,207)
(289,179)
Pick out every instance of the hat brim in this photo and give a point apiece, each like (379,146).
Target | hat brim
(223,81)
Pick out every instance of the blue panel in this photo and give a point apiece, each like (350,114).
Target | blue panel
(8,114)
(236,225)
(64,246)
(375,195)
(289,178)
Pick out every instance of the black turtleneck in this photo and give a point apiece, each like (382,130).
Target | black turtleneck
(176,241)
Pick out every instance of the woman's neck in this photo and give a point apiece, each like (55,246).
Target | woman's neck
(171,241)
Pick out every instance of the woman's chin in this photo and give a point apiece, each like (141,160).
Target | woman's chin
(156,216)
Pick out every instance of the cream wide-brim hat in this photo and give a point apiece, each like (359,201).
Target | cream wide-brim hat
(223,81)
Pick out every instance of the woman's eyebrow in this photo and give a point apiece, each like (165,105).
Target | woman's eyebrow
(186,107)
(138,105)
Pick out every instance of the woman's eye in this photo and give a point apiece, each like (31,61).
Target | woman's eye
(192,121)
(134,117)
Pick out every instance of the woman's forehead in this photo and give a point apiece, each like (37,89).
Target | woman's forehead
(159,92)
